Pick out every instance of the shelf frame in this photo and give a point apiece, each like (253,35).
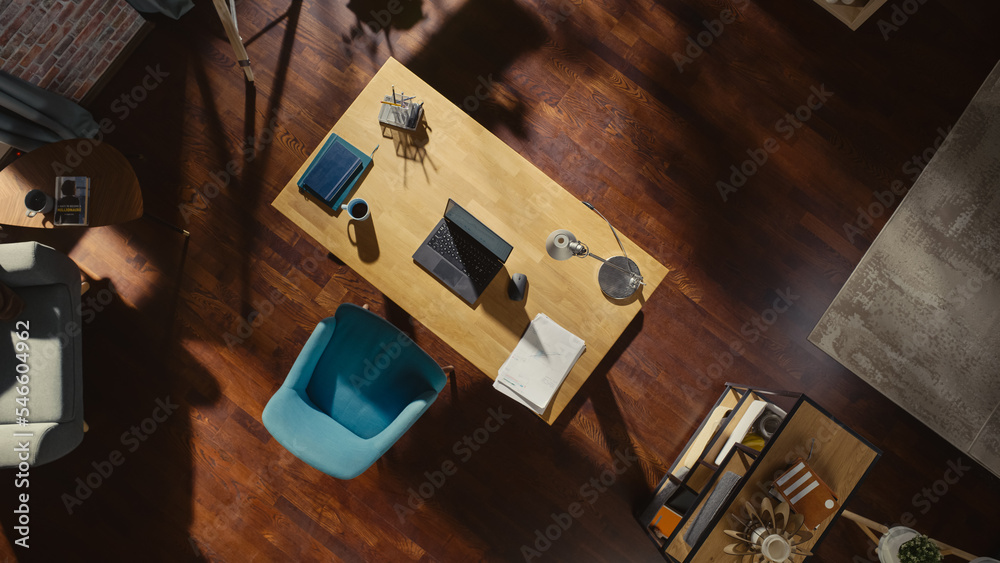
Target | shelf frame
(799,429)
(852,15)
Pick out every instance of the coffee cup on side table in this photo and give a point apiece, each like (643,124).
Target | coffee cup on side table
(37,201)
(357,209)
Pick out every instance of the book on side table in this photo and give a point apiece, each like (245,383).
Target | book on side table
(72,201)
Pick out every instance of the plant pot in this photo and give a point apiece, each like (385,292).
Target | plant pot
(888,546)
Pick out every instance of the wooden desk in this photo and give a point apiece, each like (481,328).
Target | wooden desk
(462,160)
(114,189)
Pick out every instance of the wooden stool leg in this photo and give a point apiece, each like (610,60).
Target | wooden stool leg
(949,550)
(229,24)
(867,526)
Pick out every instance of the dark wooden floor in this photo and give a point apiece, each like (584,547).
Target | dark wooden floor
(590,92)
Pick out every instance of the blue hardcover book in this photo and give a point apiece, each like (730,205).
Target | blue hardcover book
(330,171)
(335,171)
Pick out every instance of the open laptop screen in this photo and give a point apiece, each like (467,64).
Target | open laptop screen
(472,226)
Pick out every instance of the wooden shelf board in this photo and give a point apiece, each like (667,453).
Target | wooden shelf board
(678,548)
(730,425)
(690,457)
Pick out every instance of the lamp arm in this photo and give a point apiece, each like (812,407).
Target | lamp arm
(583,251)
(620,245)
(637,277)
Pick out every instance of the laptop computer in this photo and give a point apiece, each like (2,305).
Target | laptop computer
(461,252)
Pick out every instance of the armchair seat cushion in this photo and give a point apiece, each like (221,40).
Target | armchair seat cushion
(51,327)
(366,392)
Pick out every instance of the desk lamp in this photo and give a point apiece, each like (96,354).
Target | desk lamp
(616,281)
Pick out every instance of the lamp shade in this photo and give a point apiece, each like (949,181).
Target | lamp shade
(558,244)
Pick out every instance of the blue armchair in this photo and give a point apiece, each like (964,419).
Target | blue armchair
(356,387)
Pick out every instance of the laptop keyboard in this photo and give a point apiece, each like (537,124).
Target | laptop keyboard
(466,254)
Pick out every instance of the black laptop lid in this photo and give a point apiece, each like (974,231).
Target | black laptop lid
(465,221)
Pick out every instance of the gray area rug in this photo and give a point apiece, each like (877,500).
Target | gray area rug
(919,319)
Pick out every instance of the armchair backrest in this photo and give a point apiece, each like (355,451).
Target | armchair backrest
(369,372)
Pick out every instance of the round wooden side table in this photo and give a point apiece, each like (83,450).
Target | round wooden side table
(114,189)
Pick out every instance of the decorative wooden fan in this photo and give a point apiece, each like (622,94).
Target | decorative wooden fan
(770,534)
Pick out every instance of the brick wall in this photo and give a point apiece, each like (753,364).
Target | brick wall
(64,46)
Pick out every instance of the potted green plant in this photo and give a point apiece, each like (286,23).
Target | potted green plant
(920,549)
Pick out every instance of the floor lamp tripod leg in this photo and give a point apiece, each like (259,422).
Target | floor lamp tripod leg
(228,16)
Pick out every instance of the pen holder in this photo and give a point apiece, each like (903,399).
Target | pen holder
(404,115)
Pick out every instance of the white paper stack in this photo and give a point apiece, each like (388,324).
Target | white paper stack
(539,364)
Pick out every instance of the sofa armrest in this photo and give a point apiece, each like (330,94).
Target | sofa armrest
(25,264)
(49,441)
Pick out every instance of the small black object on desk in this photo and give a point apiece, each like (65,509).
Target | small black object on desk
(517,287)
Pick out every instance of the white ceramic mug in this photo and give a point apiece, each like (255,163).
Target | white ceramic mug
(775,548)
(358,209)
(37,201)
